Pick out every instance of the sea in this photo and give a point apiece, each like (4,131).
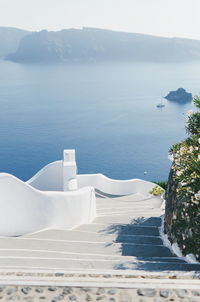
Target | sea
(105,111)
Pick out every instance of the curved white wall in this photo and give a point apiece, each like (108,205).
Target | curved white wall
(49,178)
(56,177)
(25,209)
(115,187)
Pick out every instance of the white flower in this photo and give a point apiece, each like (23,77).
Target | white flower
(190,112)
(197,196)
(178,173)
(183,184)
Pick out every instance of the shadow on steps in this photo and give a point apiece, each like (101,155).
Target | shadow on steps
(159,266)
(141,239)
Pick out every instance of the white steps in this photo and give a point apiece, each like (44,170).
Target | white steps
(120,229)
(76,235)
(108,248)
(127,219)
(124,236)
(78,264)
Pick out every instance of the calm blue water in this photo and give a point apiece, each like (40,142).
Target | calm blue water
(107,112)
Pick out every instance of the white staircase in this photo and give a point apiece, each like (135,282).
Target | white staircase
(124,235)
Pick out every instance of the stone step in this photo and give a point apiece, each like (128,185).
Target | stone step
(95,265)
(152,221)
(65,255)
(120,205)
(125,211)
(111,204)
(138,213)
(106,206)
(127,249)
(125,199)
(139,206)
(137,197)
(134,198)
(119,229)
(128,200)
(94,237)
(139,239)
(103,203)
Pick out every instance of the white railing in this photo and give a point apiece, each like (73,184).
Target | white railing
(115,187)
(61,175)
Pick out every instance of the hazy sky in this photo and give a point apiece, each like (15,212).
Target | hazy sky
(180,18)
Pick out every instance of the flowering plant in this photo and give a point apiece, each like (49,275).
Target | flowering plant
(182,219)
(186,167)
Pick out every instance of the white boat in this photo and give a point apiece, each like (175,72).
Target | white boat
(160,105)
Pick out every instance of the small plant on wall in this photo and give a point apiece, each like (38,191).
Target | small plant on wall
(157,191)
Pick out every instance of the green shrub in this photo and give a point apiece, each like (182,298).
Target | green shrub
(182,219)
(157,191)
(193,124)
(162,184)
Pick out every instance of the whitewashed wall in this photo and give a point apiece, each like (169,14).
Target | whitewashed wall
(49,178)
(116,187)
(25,209)
(61,175)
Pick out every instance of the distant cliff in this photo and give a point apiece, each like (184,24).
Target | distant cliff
(9,39)
(74,45)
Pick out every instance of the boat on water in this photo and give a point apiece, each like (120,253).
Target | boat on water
(160,105)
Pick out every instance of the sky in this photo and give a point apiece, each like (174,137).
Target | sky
(170,18)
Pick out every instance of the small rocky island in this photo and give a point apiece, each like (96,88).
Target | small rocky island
(180,96)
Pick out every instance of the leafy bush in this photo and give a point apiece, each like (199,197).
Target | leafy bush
(182,220)
(162,184)
(193,122)
(187,166)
